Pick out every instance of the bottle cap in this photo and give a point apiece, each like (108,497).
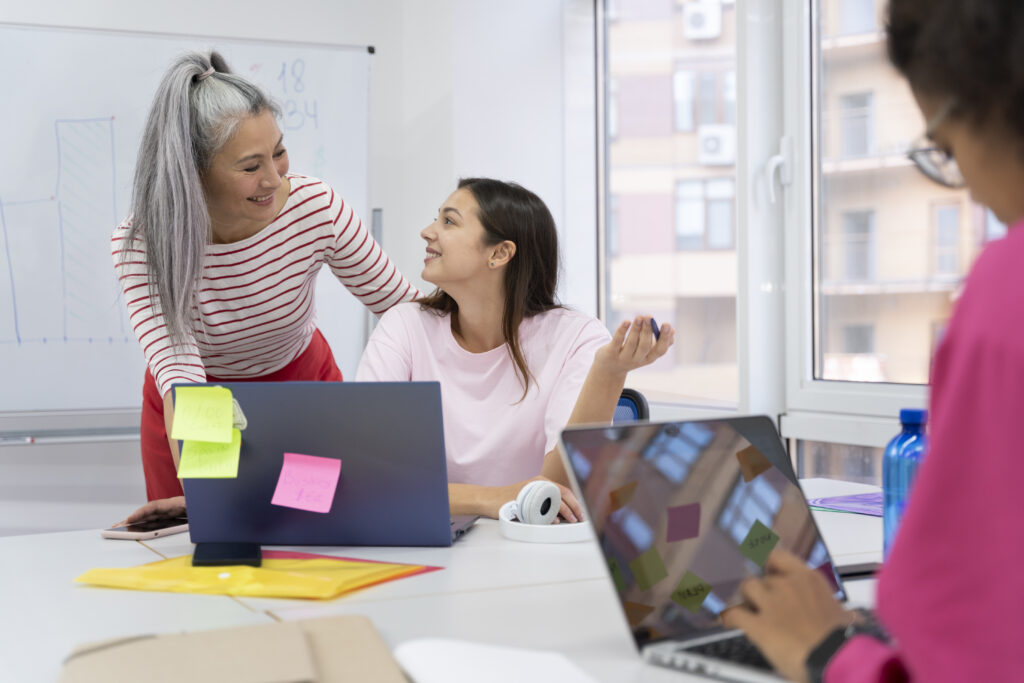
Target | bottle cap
(913,416)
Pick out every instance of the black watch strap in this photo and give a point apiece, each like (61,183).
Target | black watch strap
(822,653)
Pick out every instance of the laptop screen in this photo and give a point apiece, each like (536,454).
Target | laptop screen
(685,511)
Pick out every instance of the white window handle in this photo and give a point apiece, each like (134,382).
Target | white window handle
(782,164)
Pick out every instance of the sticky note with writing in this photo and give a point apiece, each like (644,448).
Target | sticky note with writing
(210,460)
(620,581)
(691,592)
(307,482)
(648,569)
(683,522)
(202,414)
(635,612)
(759,543)
(622,495)
(752,463)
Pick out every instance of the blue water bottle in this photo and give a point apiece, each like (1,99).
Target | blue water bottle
(899,468)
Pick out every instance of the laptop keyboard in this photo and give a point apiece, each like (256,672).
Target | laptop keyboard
(737,650)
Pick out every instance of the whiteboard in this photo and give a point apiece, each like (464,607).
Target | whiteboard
(73,106)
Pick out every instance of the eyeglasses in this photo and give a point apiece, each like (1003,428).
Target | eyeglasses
(935,162)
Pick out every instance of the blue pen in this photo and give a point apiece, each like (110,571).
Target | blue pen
(654,328)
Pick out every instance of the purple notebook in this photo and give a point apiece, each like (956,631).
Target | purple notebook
(860,503)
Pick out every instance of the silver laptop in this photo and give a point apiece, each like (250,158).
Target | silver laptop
(684,512)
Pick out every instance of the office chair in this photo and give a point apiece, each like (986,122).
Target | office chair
(632,407)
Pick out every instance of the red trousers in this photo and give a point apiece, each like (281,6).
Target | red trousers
(316,363)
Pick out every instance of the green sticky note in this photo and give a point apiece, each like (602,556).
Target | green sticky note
(209,460)
(648,569)
(759,543)
(620,581)
(202,414)
(691,592)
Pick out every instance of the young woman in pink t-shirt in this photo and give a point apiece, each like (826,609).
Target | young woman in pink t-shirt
(515,367)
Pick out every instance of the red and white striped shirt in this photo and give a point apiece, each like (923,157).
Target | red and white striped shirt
(256,311)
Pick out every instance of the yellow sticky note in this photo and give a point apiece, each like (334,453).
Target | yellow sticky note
(209,460)
(202,414)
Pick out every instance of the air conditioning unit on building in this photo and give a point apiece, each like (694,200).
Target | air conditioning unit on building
(702,20)
(716,145)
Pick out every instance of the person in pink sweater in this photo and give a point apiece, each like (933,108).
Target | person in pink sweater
(950,594)
(515,366)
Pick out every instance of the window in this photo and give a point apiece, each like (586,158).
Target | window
(857,124)
(856,16)
(749,503)
(858,245)
(889,245)
(704,214)
(946,240)
(683,85)
(670,154)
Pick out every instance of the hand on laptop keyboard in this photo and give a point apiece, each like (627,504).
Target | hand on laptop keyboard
(791,610)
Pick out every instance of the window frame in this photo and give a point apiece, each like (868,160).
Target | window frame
(815,409)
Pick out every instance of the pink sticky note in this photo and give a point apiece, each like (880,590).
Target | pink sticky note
(683,522)
(307,482)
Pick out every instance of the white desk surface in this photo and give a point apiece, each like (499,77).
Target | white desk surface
(492,590)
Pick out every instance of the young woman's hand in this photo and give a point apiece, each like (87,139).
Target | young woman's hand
(156,509)
(633,346)
(788,612)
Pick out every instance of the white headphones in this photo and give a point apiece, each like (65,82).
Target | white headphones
(529,517)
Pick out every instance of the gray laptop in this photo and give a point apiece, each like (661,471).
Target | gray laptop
(684,512)
(393,488)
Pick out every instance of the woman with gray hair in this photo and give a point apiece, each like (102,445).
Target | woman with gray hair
(219,258)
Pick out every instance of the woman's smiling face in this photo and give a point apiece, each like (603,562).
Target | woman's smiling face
(456,250)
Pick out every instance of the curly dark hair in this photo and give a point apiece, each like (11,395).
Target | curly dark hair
(969,50)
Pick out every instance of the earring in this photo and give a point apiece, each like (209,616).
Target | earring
(492,264)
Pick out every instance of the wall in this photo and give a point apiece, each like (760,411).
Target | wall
(458,87)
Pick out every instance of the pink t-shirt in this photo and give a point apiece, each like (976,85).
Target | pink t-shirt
(491,437)
(951,593)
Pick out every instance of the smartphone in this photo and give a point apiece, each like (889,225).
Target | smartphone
(150,529)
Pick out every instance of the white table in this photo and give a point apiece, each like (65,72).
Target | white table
(492,590)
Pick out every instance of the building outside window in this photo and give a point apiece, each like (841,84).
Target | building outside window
(857,123)
(704,214)
(670,132)
(859,245)
(856,16)
(946,240)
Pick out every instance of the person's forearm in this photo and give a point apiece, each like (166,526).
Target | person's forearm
(599,396)
(168,421)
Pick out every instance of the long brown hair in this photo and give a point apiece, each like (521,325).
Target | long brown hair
(509,211)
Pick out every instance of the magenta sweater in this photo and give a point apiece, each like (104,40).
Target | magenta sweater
(952,592)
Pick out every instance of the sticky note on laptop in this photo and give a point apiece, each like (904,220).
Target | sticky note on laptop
(210,460)
(683,522)
(759,543)
(307,482)
(202,414)
(648,569)
(752,463)
(690,592)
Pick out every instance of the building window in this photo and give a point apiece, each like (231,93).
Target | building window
(859,245)
(946,239)
(705,214)
(856,16)
(857,124)
(858,338)
(683,85)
